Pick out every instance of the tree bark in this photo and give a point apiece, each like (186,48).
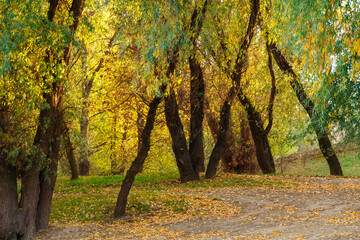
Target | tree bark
(322,135)
(10,215)
(37,186)
(47,141)
(30,188)
(238,156)
(259,135)
(235,77)
(137,164)
(11,218)
(70,153)
(197,94)
(179,143)
(221,136)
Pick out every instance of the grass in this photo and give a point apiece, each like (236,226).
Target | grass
(350,163)
(92,199)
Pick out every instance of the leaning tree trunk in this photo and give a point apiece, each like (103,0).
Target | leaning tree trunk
(179,144)
(322,135)
(258,133)
(261,142)
(236,75)
(221,136)
(137,164)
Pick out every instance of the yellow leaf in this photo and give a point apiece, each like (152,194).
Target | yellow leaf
(357,47)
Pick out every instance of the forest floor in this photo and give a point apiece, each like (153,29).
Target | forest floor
(273,207)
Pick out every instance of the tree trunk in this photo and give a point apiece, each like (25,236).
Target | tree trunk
(137,164)
(261,142)
(10,215)
(218,149)
(30,188)
(179,144)
(239,157)
(37,187)
(259,135)
(70,153)
(322,135)
(115,163)
(236,78)
(84,164)
(140,122)
(47,141)
(197,94)
(11,218)
(47,185)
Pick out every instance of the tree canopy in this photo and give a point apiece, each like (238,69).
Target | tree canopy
(172,84)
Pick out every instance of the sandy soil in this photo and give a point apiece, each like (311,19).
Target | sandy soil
(321,208)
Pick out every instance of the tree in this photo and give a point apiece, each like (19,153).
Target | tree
(174,124)
(38,173)
(239,153)
(197,94)
(331,20)
(74,168)
(259,135)
(322,136)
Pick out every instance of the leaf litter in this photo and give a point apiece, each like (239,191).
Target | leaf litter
(269,207)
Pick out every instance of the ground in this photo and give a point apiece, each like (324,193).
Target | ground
(302,208)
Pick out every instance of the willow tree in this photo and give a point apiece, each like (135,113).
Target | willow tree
(162,56)
(50,47)
(234,68)
(317,47)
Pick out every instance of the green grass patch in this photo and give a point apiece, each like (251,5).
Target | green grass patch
(349,160)
(92,199)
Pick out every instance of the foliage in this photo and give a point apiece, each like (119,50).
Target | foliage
(323,45)
(123,49)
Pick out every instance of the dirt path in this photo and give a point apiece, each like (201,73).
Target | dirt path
(320,208)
